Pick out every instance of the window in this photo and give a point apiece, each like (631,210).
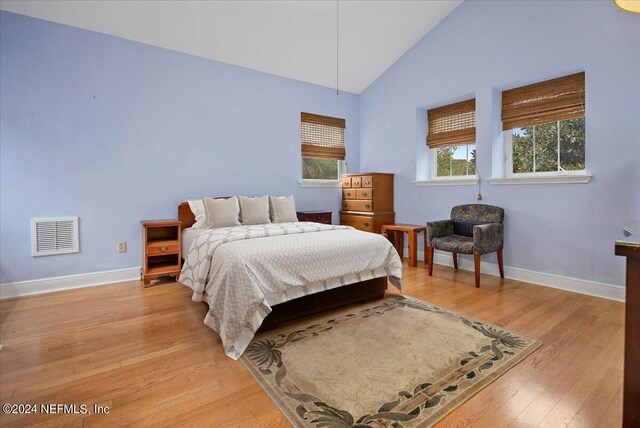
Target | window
(544,127)
(457,161)
(321,169)
(322,147)
(548,147)
(451,138)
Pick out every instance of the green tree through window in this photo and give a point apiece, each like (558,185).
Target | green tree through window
(456,161)
(320,169)
(549,147)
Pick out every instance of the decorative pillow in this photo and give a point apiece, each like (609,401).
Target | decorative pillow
(254,210)
(283,209)
(222,212)
(197,208)
(464,228)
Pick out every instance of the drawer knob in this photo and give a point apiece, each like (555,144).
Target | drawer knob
(366,224)
(367,206)
(364,193)
(163,249)
(366,182)
(348,193)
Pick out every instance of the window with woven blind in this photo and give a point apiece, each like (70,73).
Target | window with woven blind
(322,148)
(544,127)
(452,125)
(322,136)
(452,136)
(548,101)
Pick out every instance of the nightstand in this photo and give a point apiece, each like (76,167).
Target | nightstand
(315,216)
(161,247)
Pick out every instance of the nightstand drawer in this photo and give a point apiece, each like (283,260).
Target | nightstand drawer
(316,217)
(163,247)
(357,205)
(346,181)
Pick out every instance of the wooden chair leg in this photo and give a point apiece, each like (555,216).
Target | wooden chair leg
(455,260)
(500,264)
(476,263)
(430,252)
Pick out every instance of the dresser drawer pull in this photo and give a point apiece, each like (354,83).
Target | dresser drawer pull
(364,193)
(366,224)
(163,249)
(367,206)
(367,182)
(348,193)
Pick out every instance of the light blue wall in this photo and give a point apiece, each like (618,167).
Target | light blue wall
(115,131)
(483,47)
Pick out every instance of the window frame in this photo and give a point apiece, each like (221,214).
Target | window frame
(508,142)
(433,155)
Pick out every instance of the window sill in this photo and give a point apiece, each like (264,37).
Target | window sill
(320,183)
(447,182)
(543,179)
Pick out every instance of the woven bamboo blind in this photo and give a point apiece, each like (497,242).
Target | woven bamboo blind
(322,136)
(452,125)
(548,101)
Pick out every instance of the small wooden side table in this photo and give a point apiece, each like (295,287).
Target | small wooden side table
(395,233)
(161,247)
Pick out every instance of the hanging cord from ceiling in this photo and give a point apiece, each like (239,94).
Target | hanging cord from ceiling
(337,47)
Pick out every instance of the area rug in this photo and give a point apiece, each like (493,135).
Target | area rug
(400,362)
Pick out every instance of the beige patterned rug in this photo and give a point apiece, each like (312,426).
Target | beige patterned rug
(399,362)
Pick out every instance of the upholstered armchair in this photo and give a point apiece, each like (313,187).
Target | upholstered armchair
(473,229)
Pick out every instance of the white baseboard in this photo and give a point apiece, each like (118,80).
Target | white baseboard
(576,285)
(68,282)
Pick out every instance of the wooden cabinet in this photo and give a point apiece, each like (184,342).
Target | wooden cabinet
(631,389)
(161,241)
(315,216)
(367,201)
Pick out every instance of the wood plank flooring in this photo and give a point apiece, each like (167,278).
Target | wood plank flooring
(146,354)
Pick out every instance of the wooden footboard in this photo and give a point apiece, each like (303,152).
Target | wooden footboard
(364,291)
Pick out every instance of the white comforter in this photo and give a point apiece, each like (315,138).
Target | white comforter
(246,269)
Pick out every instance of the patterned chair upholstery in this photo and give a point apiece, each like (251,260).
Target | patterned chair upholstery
(473,229)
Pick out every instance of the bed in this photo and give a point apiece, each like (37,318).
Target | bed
(258,277)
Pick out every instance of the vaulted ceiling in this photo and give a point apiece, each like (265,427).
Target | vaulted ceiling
(294,39)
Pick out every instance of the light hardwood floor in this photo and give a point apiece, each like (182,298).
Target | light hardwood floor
(147,355)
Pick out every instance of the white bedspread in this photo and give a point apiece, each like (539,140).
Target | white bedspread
(246,269)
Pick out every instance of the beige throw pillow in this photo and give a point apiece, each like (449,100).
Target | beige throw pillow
(254,210)
(222,212)
(197,208)
(283,209)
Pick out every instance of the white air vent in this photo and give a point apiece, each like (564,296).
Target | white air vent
(51,236)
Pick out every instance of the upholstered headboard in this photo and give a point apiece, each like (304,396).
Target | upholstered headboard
(186,216)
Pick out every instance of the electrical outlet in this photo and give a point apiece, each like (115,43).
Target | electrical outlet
(122,247)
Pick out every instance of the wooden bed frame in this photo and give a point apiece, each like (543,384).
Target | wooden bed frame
(295,309)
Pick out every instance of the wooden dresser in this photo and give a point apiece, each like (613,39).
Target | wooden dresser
(367,201)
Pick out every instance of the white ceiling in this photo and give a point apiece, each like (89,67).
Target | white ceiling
(295,39)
